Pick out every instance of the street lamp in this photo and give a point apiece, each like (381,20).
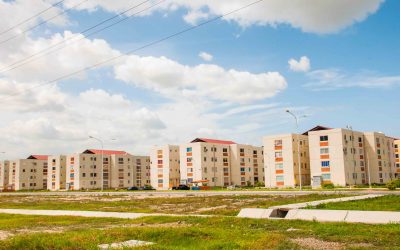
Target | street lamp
(298,145)
(102,159)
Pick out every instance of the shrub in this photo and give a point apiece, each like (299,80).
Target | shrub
(393,185)
(328,186)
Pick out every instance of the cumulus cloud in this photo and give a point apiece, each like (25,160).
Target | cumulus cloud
(302,65)
(332,79)
(206,56)
(173,79)
(328,16)
(72,57)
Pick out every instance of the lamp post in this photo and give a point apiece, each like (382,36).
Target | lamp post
(298,145)
(102,159)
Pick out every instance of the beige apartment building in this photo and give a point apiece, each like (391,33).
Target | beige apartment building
(380,156)
(282,161)
(209,162)
(165,167)
(28,174)
(4,174)
(247,165)
(397,158)
(56,179)
(118,170)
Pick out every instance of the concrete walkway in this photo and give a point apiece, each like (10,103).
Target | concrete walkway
(120,215)
(316,203)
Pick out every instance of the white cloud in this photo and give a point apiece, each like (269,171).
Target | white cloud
(74,56)
(315,16)
(303,65)
(206,56)
(331,79)
(175,80)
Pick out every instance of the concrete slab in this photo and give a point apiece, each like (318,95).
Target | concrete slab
(373,217)
(316,203)
(125,244)
(255,213)
(317,215)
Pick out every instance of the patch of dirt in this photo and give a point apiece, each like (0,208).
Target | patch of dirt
(204,209)
(314,243)
(4,235)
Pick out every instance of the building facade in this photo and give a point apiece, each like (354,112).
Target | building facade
(397,158)
(218,163)
(282,161)
(56,179)
(165,167)
(4,174)
(28,174)
(117,170)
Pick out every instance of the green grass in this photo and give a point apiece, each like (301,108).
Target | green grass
(190,233)
(212,205)
(383,203)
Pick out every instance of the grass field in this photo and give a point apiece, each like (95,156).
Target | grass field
(41,232)
(384,203)
(213,205)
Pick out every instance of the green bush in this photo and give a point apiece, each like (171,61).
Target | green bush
(393,184)
(328,186)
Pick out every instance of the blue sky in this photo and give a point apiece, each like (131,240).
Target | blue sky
(162,94)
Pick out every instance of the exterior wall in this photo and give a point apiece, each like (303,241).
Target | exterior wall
(380,150)
(56,178)
(84,171)
(121,172)
(202,161)
(28,174)
(281,160)
(344,155)
(397,158)
(4,174)
(246,165)
(165,167)
(142,173)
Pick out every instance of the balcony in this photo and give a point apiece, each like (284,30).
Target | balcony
(324,144)
(279,171)
(324,157)
(278,159)
(278,147)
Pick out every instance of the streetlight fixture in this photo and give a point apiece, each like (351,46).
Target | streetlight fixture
(298,145)
(102,159)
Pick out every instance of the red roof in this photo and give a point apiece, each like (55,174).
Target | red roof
(212,141)
(317,128)
(106,152)
(38,157)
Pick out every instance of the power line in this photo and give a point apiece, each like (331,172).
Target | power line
(36,56)
(137,49)
(43,22)
(30,18)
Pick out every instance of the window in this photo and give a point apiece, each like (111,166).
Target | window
(189,159)
(242,150)
(278,142)
(324,151)
(359,139)
(280,178)
(323,138)
(83,174)
(188,150)
(160,162)
(160,181)
(326,176)
(325,164)
(278,154)
(242,170)
(225,150)
(279,166)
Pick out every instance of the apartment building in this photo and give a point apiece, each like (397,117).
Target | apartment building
(28,174)
(4,174)
(397,158)
(118,169)
(380,156)
(246,165)
(165,167)
(220,163)
(56,179)
(282,161)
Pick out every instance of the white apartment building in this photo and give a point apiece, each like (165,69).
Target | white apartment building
(281,159)
(165,167)
(210,162)
(56,179)
(4,174)
(397,158)
(28,174)
(117,170)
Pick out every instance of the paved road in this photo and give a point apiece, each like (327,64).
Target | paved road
(198,193)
